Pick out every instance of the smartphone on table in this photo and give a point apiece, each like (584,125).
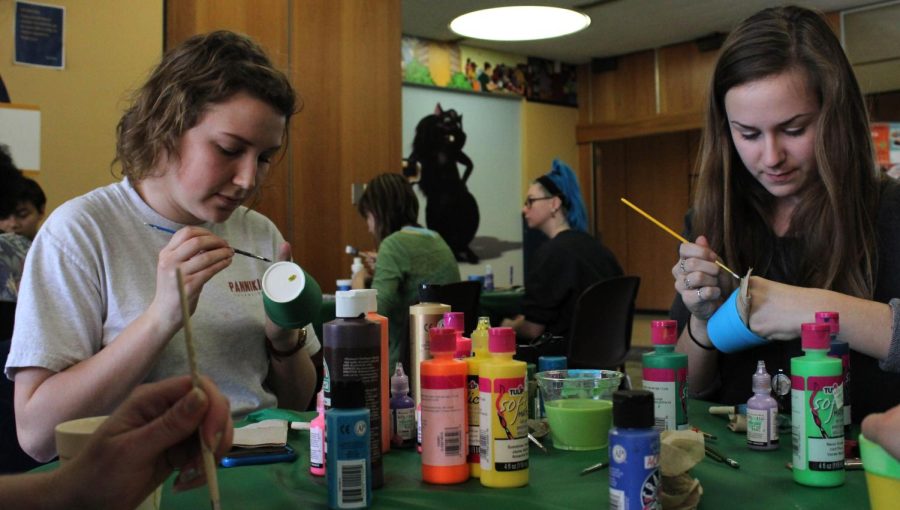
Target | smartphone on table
(263,455)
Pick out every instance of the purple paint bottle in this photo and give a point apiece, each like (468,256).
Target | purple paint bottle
(403,411)
(762,412)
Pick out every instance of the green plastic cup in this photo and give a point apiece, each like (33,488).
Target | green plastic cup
(578,405)
(291,297)
(882,475)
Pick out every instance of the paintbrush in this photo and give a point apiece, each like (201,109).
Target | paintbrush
(209,462)
(240,252)
(671,232)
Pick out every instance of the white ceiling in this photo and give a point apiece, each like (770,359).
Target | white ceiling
(617,26)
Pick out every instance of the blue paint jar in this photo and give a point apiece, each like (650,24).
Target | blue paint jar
(634,477)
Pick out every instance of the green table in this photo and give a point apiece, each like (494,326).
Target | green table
(495,304)
(761,482)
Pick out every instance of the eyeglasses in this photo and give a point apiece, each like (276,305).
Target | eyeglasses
(529,201)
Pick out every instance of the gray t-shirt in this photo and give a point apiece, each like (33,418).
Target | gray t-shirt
(92,271)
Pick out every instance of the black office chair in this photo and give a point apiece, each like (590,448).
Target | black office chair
(600,335)
(461,296)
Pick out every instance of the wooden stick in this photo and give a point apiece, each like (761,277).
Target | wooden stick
(670,231)
(209,462)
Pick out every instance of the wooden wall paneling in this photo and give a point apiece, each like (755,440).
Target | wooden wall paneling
(656,182)
(609,185)
(345,63)
(626,93)
(583,83)
(266,21)
(684,75)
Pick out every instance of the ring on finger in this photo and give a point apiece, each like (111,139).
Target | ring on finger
(681,264)
(699,296)
(687,283)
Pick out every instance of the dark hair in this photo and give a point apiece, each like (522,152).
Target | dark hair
(32,192)
(11,183)
(392,201)
(205,69)
(836,213)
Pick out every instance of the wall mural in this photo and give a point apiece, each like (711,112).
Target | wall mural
(454,66)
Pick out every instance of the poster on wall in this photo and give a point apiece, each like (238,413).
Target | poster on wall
(39,35)
(468,176)
(466,68)
(886,139)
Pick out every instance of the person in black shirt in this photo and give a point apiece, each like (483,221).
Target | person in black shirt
(565,265)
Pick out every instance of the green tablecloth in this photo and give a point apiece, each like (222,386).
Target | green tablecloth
(761,482)
(496,304)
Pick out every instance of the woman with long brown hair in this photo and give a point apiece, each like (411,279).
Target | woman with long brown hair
(788,187)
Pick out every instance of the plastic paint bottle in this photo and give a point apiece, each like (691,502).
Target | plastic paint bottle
(488,278)
(356,267)
(544,364)
(841,350)
(371,296)
(349,471)
(503,421)
(473,364)
(403,410)
(762,412)
(665,374)
(817,414)
(317,438)
(444,424)
(352,350)
(634,476)
(422,317)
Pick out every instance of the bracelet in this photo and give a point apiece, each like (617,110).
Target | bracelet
(275,353)
(691,334)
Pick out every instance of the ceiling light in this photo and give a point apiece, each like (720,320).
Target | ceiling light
(520,23)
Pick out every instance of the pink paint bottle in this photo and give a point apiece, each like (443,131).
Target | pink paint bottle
(317,438)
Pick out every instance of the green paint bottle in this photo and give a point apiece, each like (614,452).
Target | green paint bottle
(817,411)
(665,374)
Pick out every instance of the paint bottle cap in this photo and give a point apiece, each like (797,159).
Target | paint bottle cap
(762,382)
(815,336)
(664,332)
(371,298)
(399,381)
(633,409)
(552,363)
(463,347)
(442,340)
(501,340)
(455,320)
(428,293)
(349,304)
(348,394)
(830,318)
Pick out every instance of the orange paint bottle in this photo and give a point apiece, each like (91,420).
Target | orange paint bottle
(444,412)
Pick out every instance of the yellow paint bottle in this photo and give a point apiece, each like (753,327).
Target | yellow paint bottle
(480,350)
(503,420)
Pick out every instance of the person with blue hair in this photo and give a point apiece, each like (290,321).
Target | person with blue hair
(565,265)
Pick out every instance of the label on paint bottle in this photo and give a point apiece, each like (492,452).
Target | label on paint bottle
(404,423)
(762,429)
(669,387)
(316,448)
(443,420)
(505,409)
(818,423)
(474,410)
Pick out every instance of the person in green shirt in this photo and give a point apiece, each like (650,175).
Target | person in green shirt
(407,256)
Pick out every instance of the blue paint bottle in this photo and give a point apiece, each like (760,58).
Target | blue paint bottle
(349,466)
(634,476)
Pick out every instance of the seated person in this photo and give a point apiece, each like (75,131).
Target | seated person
(408,255)
(564,266)
(28,211)
(787,186)
(99,309)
